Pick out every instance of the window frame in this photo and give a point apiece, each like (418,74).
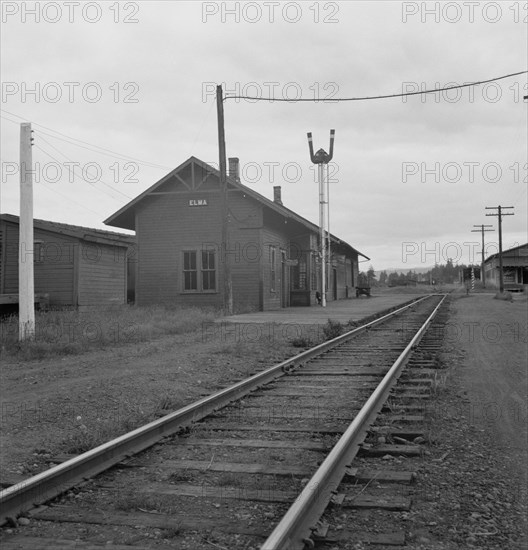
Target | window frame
(273,271)
(199,270)
(208,270)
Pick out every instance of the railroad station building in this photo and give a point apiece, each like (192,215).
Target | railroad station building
(273,252)
(514,265)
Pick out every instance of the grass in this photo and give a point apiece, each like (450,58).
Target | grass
(85,438)
(70,332)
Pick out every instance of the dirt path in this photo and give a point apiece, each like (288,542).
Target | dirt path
(492,335)
(472,488)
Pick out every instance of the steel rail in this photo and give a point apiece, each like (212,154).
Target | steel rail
(295,529)
(48,484)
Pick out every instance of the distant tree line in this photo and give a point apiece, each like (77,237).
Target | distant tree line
(439,274)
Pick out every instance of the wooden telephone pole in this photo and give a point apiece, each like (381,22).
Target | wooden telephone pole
(228,289)
(499,214)
(482,230)
(26,284)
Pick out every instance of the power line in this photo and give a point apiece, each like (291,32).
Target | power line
(73,173)
(67,158)
(330,100)
(92,149)
(97,147)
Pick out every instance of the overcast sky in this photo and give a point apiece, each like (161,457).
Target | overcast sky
(411,175)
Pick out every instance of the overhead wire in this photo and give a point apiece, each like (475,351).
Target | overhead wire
(73,173)
(62,195)
(386,96)
(67,158)
(75,141)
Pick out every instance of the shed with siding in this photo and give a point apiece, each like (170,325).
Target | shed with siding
(514,265)
(273,252)
(74,266)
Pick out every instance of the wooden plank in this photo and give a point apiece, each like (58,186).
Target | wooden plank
(413,388)
(255,443)
(223,492)
(364,475)
(417,381)
(368,375)
(184,520)
(383,502)
(235,467)
(309,428)
(382,450)
(404,407)
(396,538)
(404,433)
(407,418)
(257,414)
(411,395)
(20,542)
(315,391)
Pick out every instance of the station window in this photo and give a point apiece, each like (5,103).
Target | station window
(199,271)
(190,273)
(273,253)
(208,270)
(313,272)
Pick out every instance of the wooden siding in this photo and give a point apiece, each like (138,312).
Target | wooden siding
(53,275)
(72,271)
(101,275)
(166,224)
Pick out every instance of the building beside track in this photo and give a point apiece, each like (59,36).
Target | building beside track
(514,265)
(74,266)
(273,252)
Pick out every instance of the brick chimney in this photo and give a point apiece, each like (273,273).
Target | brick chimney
(277,195)
(234,169)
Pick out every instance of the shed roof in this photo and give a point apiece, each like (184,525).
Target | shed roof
(77,231)
(125,217)
(516,251)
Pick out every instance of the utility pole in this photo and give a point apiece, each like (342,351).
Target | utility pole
(26,282)
(321,158)
(228,290)
(499,214)
(482,230)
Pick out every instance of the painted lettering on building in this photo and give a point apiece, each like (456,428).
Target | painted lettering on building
(197,202)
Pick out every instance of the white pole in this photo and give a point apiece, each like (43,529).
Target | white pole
(26,288)
(329,252)
(322,211)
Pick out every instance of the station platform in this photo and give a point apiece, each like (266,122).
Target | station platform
(351,309)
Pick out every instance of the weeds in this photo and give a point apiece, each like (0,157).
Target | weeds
(71,332)
(180,477)
(333,329)
(302,342)
(229,479)
(439,382)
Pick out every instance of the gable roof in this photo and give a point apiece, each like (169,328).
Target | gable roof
(77,231)
(125,217)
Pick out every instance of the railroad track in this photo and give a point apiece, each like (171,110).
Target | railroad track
(252,466)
